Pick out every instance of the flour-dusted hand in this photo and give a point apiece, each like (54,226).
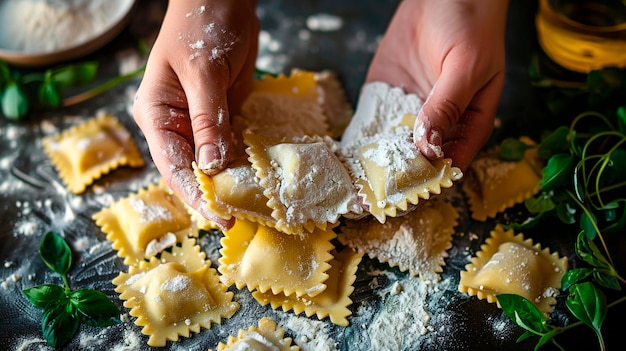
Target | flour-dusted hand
(198,72)
(451,54)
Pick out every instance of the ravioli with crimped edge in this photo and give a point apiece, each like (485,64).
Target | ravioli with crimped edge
(416,242)
(509,264)
(90,150)
(333,302)
(267,336)
(175,295)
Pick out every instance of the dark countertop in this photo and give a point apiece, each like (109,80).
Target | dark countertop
(32,201)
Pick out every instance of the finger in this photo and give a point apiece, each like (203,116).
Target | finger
(475,126)
(206,92)
(167,131)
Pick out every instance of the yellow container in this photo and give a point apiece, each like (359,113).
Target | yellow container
(583,35)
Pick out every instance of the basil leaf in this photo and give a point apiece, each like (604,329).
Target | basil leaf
(523,312)
(554,143)
(587,303)
(49,95)
(58,326)
(512,149)
(557,173)
(14,101)
(566,212)
(574,276)
(589,252)
(621,118)
(73,75)
(540,203)
(94,308)
(5,73)
(42,296)
(607,279)
(56,253)
(588,225)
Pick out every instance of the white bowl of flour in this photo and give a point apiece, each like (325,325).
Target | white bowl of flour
(45,32)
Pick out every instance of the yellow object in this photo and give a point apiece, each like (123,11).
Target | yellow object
(583,35)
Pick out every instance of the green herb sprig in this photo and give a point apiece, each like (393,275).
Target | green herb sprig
(582,183)
(63,309)
(50,84)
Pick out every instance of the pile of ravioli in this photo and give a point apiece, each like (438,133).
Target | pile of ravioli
(314,186)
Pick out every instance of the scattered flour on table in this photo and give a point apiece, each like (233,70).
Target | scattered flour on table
(324,22)
(404,317)
(50,25)
(312,335)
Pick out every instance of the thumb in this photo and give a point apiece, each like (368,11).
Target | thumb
(441,111)
(210,121)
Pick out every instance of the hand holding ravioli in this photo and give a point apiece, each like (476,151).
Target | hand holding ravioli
(450,54)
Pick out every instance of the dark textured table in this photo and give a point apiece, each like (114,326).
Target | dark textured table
(33,201)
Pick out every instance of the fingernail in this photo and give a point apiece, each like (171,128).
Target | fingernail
(210,159)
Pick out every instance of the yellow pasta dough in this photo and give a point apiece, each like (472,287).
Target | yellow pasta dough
(395,175)
(508,264)
(176,295)
(268,336)
(333,302)
(236,192)
(143,219)
(493,185)
(87,151)
(306,183)
(263,258)
(417,242)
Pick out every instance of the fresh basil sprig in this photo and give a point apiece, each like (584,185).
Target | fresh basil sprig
(582,184)
(50,84)
(63,309)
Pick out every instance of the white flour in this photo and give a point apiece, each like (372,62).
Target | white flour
(40,26)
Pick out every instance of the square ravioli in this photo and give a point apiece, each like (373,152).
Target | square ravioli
(89,150)
(392,175)
(283,106)
(175,295)
(236,192)
(268,336)
(416,242)
(306,183)
(263,258)
(333,302)
(138,224)
(508,264)
(492,185)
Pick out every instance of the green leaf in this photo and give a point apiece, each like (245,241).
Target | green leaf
(512,149)
(589,252)
(5,73)
(43,295)
(94,308)
(557,173)
(526,335)
(588,224)
(540,203)
(587,303)
(58,326)
(621,119)
(56,253)
(523,312)
(556,142)
(74,75)
(14,101)
(607,279)
(574,276)
(566,212)
(49,95)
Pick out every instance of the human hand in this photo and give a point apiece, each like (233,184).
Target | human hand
(451,54)
(198,73)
